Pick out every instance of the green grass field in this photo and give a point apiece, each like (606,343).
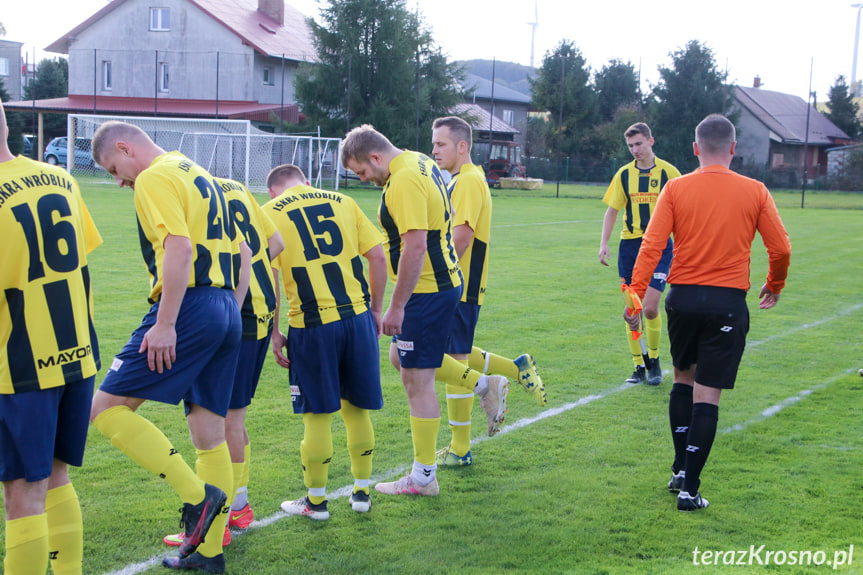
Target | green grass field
(575,487)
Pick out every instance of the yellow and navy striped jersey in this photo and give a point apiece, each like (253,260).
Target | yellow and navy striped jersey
(176,196)
(257,228)
(47,336)
(637,190)
(415,197)
(471,204)
(325,235)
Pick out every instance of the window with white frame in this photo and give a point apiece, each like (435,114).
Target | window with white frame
(268,76)
(160,19)
(107,75)
(507,117)
(163,77)
(4,66)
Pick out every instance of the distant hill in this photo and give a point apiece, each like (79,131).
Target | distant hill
(509,74)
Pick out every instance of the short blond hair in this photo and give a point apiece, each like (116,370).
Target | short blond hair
(280,175)
(360,142)
(109,133)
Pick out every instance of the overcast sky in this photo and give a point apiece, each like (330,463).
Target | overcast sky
(774,40)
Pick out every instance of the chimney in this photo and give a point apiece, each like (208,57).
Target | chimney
(757,82)
(275,9)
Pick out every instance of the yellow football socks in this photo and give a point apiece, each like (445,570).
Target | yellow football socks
(635,348)
(361,440)
(316,451)
(26,545)
(455,372)
(65,530)
(487,362)
(653,331)
(459,403)
(144,444)
(424,435)
(214,467)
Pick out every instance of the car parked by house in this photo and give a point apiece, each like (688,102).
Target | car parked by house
(28,148)
(56,152)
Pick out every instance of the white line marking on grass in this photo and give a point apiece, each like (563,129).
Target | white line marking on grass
(793,330)
(547,223)
(776,408)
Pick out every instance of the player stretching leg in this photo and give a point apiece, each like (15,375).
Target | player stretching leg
(192,250)
(257,313)
(464,365)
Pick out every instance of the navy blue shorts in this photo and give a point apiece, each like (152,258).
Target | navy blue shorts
(426,328)
(707,327)
(209,331)
(335,361)
(250,362)
(37,427)
(463,327)
(628,252)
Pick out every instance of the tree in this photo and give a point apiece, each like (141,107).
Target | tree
(562,86)
(843,109)
(616,85)
(687,92)
(377,64)
(51,81)
(14,122)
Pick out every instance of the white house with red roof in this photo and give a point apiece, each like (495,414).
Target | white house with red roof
(191,58)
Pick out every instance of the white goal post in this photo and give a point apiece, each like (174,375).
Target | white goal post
(226,148)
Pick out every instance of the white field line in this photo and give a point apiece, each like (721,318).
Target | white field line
(554,411)
(796,398)
(793,330)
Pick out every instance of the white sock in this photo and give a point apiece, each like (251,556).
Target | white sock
(481,387)
(241,499)
(423,474)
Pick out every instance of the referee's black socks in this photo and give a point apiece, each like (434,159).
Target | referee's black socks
(702,431)
(679,417)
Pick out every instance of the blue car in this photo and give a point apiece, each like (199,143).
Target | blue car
(55,152)
(27,150)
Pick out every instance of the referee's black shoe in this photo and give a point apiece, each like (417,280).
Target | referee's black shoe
(654,372)
(638,376)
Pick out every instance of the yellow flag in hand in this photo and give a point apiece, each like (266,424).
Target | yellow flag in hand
(633,306)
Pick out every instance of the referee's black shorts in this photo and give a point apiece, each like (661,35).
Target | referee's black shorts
(707,327)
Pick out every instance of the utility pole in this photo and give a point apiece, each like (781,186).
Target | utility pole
(854,90)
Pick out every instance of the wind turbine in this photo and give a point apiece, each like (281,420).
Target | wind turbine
(534,25)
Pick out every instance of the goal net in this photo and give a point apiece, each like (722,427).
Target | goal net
(226,148)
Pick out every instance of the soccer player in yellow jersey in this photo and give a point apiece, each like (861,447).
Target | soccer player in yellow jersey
(49,357)
(335,322)
(416,217)
(471,201)
(257,311)
(186,347)
(635,189)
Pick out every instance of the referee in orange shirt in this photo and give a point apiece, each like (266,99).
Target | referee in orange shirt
(713,214)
